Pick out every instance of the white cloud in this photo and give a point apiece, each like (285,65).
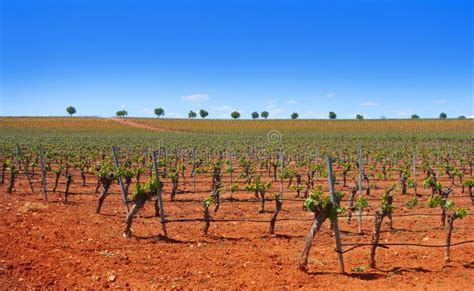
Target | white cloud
(402,113)
(223,108)
(148,111)
(273,109)
(330,94)
(369,104)
(440,101)
(196,98)
(291,101)
(173,115)
(272,101)
(470,116)
(223,111)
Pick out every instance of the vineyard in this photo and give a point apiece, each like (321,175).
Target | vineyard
(172,203)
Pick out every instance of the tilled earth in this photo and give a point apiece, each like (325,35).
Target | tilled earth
(66,245)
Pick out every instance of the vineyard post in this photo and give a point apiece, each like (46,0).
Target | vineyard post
(414,169)
(359,219)
(122,187)
(43,174)
(194,168)
(158,197)
(230,168)
(281,171)
(21,160)
(437,161)
(334,222)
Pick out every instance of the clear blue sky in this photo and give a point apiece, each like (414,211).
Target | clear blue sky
(390,58)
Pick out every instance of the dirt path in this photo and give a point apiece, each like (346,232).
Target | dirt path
(131,123)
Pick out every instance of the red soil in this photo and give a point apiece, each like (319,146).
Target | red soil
(58,245)
(129,122)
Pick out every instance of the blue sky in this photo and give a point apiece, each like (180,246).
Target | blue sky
(390,58)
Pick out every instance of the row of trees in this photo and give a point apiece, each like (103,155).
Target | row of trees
(159,112)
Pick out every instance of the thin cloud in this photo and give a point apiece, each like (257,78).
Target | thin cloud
(223,108)
(148,111)
(195,98)
(330,94)
(291,101)
(174,115)
(369,104)
(440,101)
(272,101)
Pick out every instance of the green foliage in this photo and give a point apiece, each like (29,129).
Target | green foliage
(469,183)
(358,269)
(208,202)
(434,200)
(203,113)
(361,202)
(192,114)
(460,213)
(316,201)
(332,115)
(264,114)
(159,112)
(411,203)
(149,187)
(121,113)
(386,207)
(234,188)
(235,115)
(255,115)
(106,169)
(294,115)
(71,110)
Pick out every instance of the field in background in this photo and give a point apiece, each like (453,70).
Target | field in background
(434,128)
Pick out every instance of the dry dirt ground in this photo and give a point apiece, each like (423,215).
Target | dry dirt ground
(131,123)
(66,245)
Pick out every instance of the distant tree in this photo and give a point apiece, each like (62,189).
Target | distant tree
(235,114)
(462,117)
(264,114)
(359,116)
(443,115)
(192,114)
(122,113)
(415,116)
(255,115)
(294,115)
(383,117)
(159,112)
(71,110)
(332,115)
(203,113)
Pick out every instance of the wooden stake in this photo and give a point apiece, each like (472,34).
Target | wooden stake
(334,222)
(25,165)
(158,197)
(281,172)
(414,169)
(359,218)
(122,187)
(43,174)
